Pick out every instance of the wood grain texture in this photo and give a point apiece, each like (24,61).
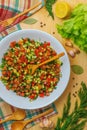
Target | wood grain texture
(45,23)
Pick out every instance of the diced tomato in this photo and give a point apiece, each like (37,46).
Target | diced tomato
(41,49)
(54,53)
(49,79)
(7,86)
(25,40)
(21,76)
(23,59)
(6,57)
(33,83)
(20,42)
(22,94)
(46,44)
(8,73)
(17,53)
(10,63)
(36,52)
(41,94)
(42,76)
(12,44)
(55,79)
(42,60)
(3,73)
(47,94)
(48,53)
(22,49)
(32,96)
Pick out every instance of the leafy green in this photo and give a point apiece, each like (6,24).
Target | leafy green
(77,118)
(48,6)
(75,28)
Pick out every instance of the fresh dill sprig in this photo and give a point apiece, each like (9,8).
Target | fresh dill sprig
(48,6)
(76,119)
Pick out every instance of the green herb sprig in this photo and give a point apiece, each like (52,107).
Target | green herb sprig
(76,119)
(48,6)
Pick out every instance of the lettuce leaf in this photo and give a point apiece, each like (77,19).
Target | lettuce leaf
(75,28)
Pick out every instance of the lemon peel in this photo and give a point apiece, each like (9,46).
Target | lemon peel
(62,9)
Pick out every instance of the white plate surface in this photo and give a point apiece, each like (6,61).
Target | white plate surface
(22,102)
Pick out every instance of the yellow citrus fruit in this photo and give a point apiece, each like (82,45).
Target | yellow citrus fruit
(62,9)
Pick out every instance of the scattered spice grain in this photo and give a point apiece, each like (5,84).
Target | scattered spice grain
(74,95)
(41,26)
(73,86)
(76,92)
(76,83)
(53,32)
(44,24)
(41,23)
(73,78)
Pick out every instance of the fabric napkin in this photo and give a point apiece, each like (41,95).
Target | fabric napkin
(6,110)
(10,8)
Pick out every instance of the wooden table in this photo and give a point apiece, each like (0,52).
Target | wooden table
(80,59)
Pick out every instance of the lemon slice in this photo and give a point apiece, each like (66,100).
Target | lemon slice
(62,9)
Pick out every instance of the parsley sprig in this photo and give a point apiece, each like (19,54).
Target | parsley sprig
(48,6)
(76,119)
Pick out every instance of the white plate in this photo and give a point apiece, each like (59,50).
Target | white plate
(22,102)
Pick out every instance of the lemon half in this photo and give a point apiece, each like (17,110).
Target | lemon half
(62,9)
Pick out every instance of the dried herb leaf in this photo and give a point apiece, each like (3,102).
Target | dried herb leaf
(77,69)
(30,21)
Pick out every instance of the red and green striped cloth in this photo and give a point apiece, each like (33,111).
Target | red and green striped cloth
(6,110)
(9,8)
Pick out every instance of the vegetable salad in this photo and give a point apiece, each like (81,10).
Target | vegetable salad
(15,64)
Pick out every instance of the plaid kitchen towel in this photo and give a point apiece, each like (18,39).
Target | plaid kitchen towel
(10,30)
(6,110)
(9,8)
